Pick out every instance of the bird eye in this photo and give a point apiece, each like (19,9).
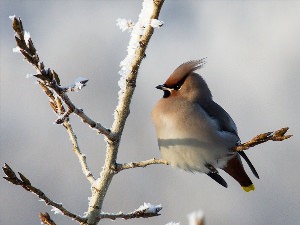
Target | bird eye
(179,84)
(177,87)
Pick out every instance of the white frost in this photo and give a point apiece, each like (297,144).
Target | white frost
(26,37)
(16,49)
(12,17)
(78,84)
(148,208)
(195,217)
(156,23)
(56,210)
(137,30)
(124,24)
(29,75)
(173,223)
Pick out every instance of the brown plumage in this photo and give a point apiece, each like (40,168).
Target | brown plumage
(195,133)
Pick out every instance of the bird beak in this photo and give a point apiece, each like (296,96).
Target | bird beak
(161,87)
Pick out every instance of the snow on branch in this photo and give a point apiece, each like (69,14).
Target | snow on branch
(77,85)
(140,37)
(125,24)
(144,211)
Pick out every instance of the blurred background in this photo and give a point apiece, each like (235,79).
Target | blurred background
(252,69)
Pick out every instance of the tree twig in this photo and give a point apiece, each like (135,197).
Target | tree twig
(26,184)
(59,109)
(145,211)
(82,158)
(130,165)
(49,78)
(278,135)
(46,219)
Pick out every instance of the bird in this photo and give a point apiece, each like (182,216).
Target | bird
(196,134)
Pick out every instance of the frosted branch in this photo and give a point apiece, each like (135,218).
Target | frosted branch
(144,211)
(76,86)
(140,37)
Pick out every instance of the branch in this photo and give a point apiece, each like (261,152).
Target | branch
(125,166)
(76,149)
(46,219)
(49,78)
(59,109)
(140,37)
(145,211)
(278,135)
(26,184)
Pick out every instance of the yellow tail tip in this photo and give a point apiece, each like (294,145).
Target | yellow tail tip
(249,188)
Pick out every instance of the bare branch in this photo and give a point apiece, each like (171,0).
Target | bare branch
(46,219)
(125,166)
(76,149)
(278,135)
(26,184)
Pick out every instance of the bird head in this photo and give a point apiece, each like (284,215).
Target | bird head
(185,83)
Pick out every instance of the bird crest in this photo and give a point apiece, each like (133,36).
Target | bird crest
(183,71)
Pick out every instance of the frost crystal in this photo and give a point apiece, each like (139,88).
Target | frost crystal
(78,84)
(12,17)
(16,49)
(156,23)
(26,37)
(124,24)
(85,214)
(137,30)
(148,208)
(56,210)
(29,75)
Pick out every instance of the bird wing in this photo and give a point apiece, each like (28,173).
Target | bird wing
(223,119)
(227,124)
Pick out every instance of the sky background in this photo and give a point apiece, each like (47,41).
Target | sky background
(253,52)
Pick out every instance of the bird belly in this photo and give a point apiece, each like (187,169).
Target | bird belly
(192,155)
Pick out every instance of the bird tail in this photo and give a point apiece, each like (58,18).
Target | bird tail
(235,169)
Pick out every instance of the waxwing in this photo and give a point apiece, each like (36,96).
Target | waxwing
(195,133)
